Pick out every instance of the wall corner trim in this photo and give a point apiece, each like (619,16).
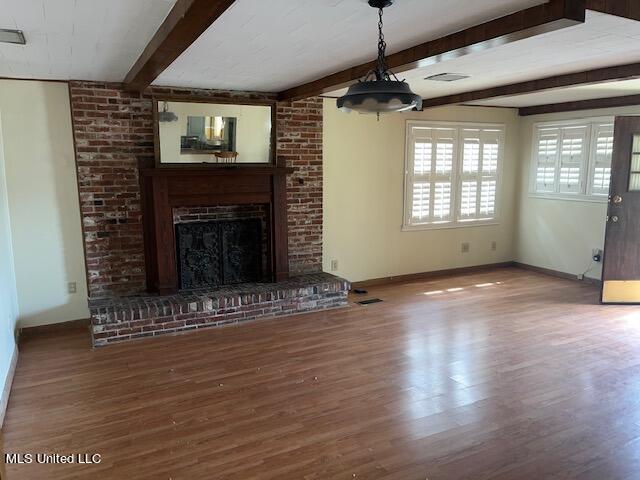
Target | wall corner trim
(6,390)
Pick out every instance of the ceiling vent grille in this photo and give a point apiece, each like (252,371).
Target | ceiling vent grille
(447,77)
(12,36)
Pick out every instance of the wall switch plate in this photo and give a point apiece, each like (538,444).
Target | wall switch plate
(334,265)
(465,247)
(72,287)
(494,246)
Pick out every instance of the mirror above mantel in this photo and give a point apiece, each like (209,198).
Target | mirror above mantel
(193,131)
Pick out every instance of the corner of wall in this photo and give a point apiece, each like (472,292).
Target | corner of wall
(8,295)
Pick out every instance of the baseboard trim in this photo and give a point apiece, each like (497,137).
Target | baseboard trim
(557,273)
(6,390)
(40,330)
(428,275)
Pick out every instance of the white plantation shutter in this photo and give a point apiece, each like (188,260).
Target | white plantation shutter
(468,199)
(601,151)
(444,156)
(547,143)
(478,175)
(422,158)
(441,201)
(421,200)
(572,159)
(490,151)
(471,155)
(451,174)
(488,198)
(446,144)
(470,174)
(491,142)
(420,152)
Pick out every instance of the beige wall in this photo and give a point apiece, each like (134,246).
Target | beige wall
(363,203)
(8,299)
(363,197)
(253,131)
(558,234)
(43,201)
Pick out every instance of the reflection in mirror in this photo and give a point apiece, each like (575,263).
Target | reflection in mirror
(192,132)
(206,135)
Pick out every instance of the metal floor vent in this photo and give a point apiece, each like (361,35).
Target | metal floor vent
(370,301)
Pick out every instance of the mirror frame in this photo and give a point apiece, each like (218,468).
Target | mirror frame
(227,101)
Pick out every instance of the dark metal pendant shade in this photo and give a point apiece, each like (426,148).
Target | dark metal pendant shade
(380,96)
(380,91)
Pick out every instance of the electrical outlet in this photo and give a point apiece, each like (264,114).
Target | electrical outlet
(494,246)
(465,247)
(334,265)
(72,287)
(596,254)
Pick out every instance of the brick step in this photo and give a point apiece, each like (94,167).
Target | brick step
(117,319)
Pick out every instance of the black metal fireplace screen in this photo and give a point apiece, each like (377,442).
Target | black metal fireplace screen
(219,252)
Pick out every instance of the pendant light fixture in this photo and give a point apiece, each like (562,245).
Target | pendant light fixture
(380,90)
(165,115)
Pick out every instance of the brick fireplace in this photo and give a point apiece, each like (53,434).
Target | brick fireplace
(114,143)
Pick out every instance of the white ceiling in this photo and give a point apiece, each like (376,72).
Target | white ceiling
(276,44)
(270,46)
(571,94)
(78,39)
(603,40)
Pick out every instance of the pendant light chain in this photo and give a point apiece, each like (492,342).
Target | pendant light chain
(379,91)
(381,73)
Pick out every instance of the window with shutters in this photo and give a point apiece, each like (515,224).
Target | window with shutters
(451,174)
(572,160)
(600,164)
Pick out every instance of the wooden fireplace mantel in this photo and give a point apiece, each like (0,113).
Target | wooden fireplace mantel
(164,189)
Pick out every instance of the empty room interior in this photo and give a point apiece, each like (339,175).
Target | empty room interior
(335,239)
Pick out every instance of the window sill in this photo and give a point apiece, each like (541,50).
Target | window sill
(446,226)
(571,198)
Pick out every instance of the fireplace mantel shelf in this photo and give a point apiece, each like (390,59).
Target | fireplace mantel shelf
(216,169)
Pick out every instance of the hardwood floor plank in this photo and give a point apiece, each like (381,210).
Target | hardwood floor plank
(504,374)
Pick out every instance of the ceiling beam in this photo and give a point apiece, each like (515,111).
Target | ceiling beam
(591,104)
(599,75)
(621,8)
(554,15)
(186,21)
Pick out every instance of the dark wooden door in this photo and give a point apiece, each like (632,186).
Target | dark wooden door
(621,268)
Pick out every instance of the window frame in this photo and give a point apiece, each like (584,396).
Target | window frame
(456,175)
(592,125)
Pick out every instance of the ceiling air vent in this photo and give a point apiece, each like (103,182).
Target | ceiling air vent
(12,36)
(447,77)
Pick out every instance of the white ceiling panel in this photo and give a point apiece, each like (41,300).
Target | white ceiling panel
(276,44)
(78,39)
(571,94)
(602,41)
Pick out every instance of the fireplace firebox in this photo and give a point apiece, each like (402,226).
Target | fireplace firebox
(216,253)
(167,189)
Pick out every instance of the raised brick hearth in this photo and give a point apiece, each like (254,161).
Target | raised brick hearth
(119,319)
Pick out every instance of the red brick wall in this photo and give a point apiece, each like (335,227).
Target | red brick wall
(300,142)
(113,132)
